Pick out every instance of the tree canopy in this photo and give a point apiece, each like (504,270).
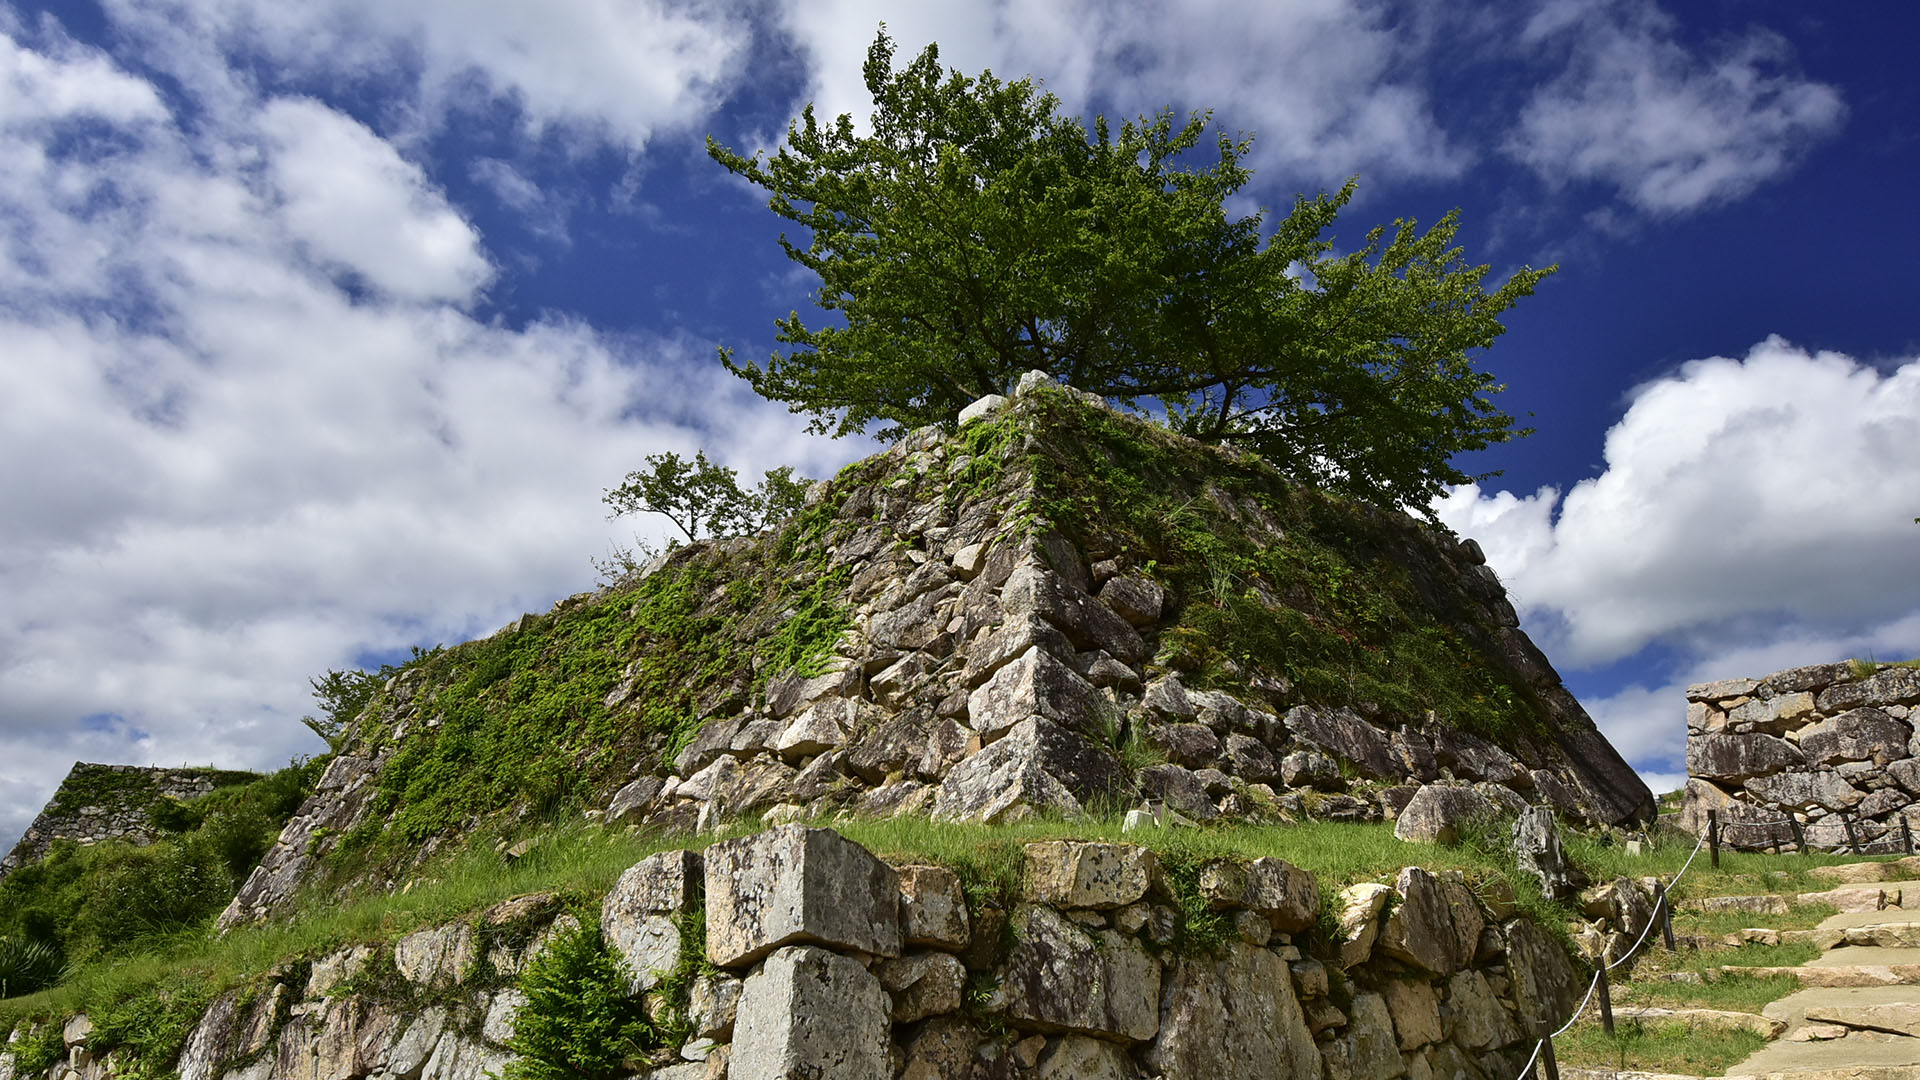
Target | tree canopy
(975,233)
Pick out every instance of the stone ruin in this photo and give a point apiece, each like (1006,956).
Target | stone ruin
(110,802)
(1822,745)
(996,658)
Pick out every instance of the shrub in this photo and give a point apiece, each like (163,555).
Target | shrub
(578,1023)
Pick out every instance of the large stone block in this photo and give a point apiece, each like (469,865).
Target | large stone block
(933,908)
(1342,733)
(1037,766)
(792,884)
(1372,1049)
(922,985)
(435,958)
(1063,977)
(1088,623)
(1726,756)
(1036,684)
(1358,916)
(810,1014)
(1439,812)
(1419,931)
(1892,686)
(636,918)
(1480,1022)
(1072,874)
(1545,984)
(1805,790)
(1233,1016)
(1863,734)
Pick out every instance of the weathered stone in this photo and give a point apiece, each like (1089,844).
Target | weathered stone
(636,918)
(712,1004)
(206,1048)
(1536,847)
(1137,600)
(821,727)
(336,968)
(794,884)
(1036,684)
(1250,759)
(1179,789)
(1415,1010)
(1415,754)
(1232,1016)
(1309,768)
(1359,907)
(502,1011)
(1889,686)
(1276,890)
(1063,977)
(1080,1057)
(1719,691)
(410,1052)
(922,985)
(1087,622)
(1343,734)
(1037,766)
(943,1047)
(1167,698)
(1372,1049)
(982,407)
(933,908)
(1806,790)
(809,1014)
(435,958)
(634,800)
(1479,1020)
(1471,757)
(1437,813)
(1863,734)
(1419,931)
(1192,745)
(1545,985)
(1468,921)
(891,749)
(1011,640)
(1727,756)
(1072,874)
(1906,773)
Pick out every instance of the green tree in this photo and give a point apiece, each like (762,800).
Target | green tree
(343,694)
(699,496)
(975,234)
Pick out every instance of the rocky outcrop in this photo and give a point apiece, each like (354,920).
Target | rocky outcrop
(1798,755)
(1003,646)
(1088,974)
(111,802)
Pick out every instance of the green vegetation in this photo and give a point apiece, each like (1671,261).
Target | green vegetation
(1740,873)
(117,789)
(579,1022)
(344,694)
(87,902)
(1797,917)
(974,234)
(1668,1047)
(699,496)
(1729,991)
(1265,573)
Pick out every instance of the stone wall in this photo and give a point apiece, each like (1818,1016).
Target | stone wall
(110,802)
(828,962)
(1824,745)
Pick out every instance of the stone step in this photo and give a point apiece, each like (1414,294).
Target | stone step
(1837,976)
(1861,873)
(1847,898)
(1716,1019)
(1570,1073)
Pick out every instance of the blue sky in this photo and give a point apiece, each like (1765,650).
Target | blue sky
(323,326)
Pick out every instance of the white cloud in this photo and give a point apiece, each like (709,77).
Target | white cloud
(1670,129)
(624,70)
(1327,87)
(1754,514)
(233,470)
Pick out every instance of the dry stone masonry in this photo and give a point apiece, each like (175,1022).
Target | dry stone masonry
(993,669)
(829,963)
(1823,745)
(110,802)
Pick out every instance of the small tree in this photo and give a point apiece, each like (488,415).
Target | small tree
(342,695)
(701,497)
(976,234)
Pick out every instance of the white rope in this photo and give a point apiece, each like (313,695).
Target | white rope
(1648,929)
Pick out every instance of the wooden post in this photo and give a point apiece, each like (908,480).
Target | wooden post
(1799,834)
(1606,996)
(1663,910)
(1546,1058)
(1906,835)
(1713,835)
(1853,833)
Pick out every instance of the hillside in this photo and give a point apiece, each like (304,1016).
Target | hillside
(1055,608)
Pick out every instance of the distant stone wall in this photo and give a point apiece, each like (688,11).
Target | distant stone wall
(827,962)
(110,802)
(1822,744)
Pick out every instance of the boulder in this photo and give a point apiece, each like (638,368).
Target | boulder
(1863,734)
(1038,766)
(1372,1050)
(933,908)
(1804,791)
(1137,600)
(634,800)
(1088,623)
(1035,685)
(1545,985)
(1419,930)
(1287,897)
(809,1014)
(1062,977)
(1232,1016)
(1078,1057)
(1726,756)
(1180,789)
(1343,734)
(1416,1012)
(982,407)
(1072,874)
(922,985)
(792,884)
(1250,760)
(637,916)
(1536,847)
(1358,917)
(1437,813)
(436,958)
(1480,1022)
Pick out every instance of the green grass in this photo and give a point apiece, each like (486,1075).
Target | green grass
(1669,1047)
(1740,873)
(1798,917)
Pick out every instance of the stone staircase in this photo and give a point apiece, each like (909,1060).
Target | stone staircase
(1857,1014)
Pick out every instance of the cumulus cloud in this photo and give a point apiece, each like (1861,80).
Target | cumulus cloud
(256,433)
(1329,88)
(1671,129)
(1753,514)
(623,70)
